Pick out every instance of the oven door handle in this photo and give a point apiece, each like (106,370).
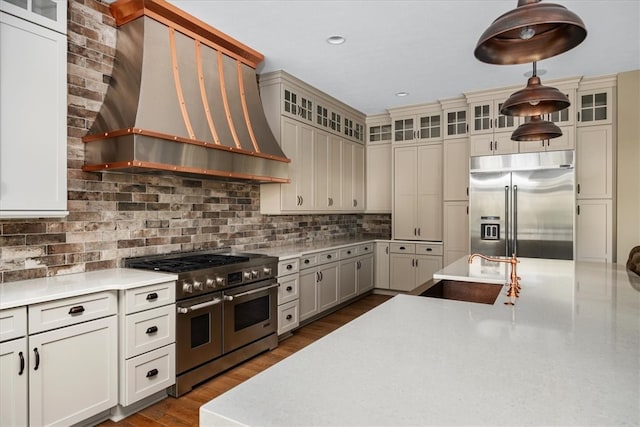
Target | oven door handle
(253,291)
(185,310)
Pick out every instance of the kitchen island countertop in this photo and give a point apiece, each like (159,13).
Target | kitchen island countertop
(568,353)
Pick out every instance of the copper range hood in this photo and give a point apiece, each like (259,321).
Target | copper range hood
(183,98)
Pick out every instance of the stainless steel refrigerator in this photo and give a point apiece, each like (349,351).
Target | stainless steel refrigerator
(523,204)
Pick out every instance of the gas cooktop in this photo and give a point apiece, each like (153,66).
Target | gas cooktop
(184,263)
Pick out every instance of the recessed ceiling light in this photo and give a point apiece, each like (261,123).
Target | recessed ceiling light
(401,94)
(336,40)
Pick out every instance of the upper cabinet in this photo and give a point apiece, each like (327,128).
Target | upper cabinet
(378,164)
(490,132)
(379,129)
(454,113)
(596,101)
(324,140)
(33,109)
(51,14)
(417,124)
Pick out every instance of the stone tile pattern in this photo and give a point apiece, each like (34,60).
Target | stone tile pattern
(118,215)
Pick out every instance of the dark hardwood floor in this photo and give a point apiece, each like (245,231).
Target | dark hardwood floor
(183,411)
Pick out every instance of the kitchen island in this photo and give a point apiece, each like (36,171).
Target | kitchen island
(567,353)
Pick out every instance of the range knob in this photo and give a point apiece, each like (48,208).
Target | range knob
(219,281)
(247,275)
(255,274)
(197,285)
(210,283)
(187,288)
(267,271)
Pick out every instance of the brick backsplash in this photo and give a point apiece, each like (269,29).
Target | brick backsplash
(117,215)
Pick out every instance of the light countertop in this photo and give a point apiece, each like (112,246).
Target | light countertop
(297,250)
(568,353)
(33,291)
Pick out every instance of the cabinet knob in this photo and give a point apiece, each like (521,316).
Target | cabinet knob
(289,317)
(152,296)
(289,288)
(306,261)
(289,266)
(152,373)
(151,330)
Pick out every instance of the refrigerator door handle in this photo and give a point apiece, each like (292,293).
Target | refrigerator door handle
(515,220)
(506,219)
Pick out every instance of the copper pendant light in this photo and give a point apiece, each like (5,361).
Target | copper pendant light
(536,130)
(535,99)
(531,32)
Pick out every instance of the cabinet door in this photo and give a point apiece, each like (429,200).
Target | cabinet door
(33,83)
(66,384)
(456,231)
(308,294)
(502,123)
(594,230)
(328,286)
(347,175)
(403,129)
(595,107)
(481,117)
(481,145)
(456,123)
(403,271)
(378,183)
(429,127)
(502,144)
(566,141)
(456,169)
(382,266)
(348,286)
(594,162)
(364,274)
(297,144)
(13,387)
(405,193)
(429,220)
(358,202)
(323,173)
(425,267)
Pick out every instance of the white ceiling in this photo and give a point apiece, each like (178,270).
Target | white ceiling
(423,47)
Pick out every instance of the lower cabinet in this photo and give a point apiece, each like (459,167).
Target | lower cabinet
(412,264)
(14,392)
(288,295)
(318,289)
(594,230)
(456,231)
(381,276)
(356,276)
(73,359)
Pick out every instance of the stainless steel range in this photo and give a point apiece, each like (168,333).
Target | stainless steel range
(227,310)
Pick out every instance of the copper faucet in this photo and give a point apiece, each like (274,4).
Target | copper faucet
(514,285)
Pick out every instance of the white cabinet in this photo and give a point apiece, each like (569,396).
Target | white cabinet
(382,265)
(327,285)
(14,394)
(456,231)
(318,283)
(417,124)
(566,141)
(147,343)
(33,83)
(378,129)
(51,14)
(594,230)
(489,144)
(596,104)
(490,132)
(348,284)
(73,370)
(413,264)
(417,204)
(454,113)
(328,171)
(378,182)
(594,162)
(364,273)
(288,295)
(352,176)
(456,169)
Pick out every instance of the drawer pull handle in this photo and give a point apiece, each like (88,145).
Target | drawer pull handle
(21,356)
(429,249)
(152,330)
(289,288)
(35,351)
(289,266)
(289,317)
(78,309)
(402,248)
(152,296)
(152,373)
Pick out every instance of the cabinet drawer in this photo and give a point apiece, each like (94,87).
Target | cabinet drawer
(289,266)
(288,317)
(13,323)
(148,330)
(365,249)
(349,252)
(402,248)
(428,249)
(148,373)
(288,289)
(308,261)
(151,296)
(69,311)
(327,256)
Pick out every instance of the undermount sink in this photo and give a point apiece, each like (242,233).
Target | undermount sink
(485,293)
